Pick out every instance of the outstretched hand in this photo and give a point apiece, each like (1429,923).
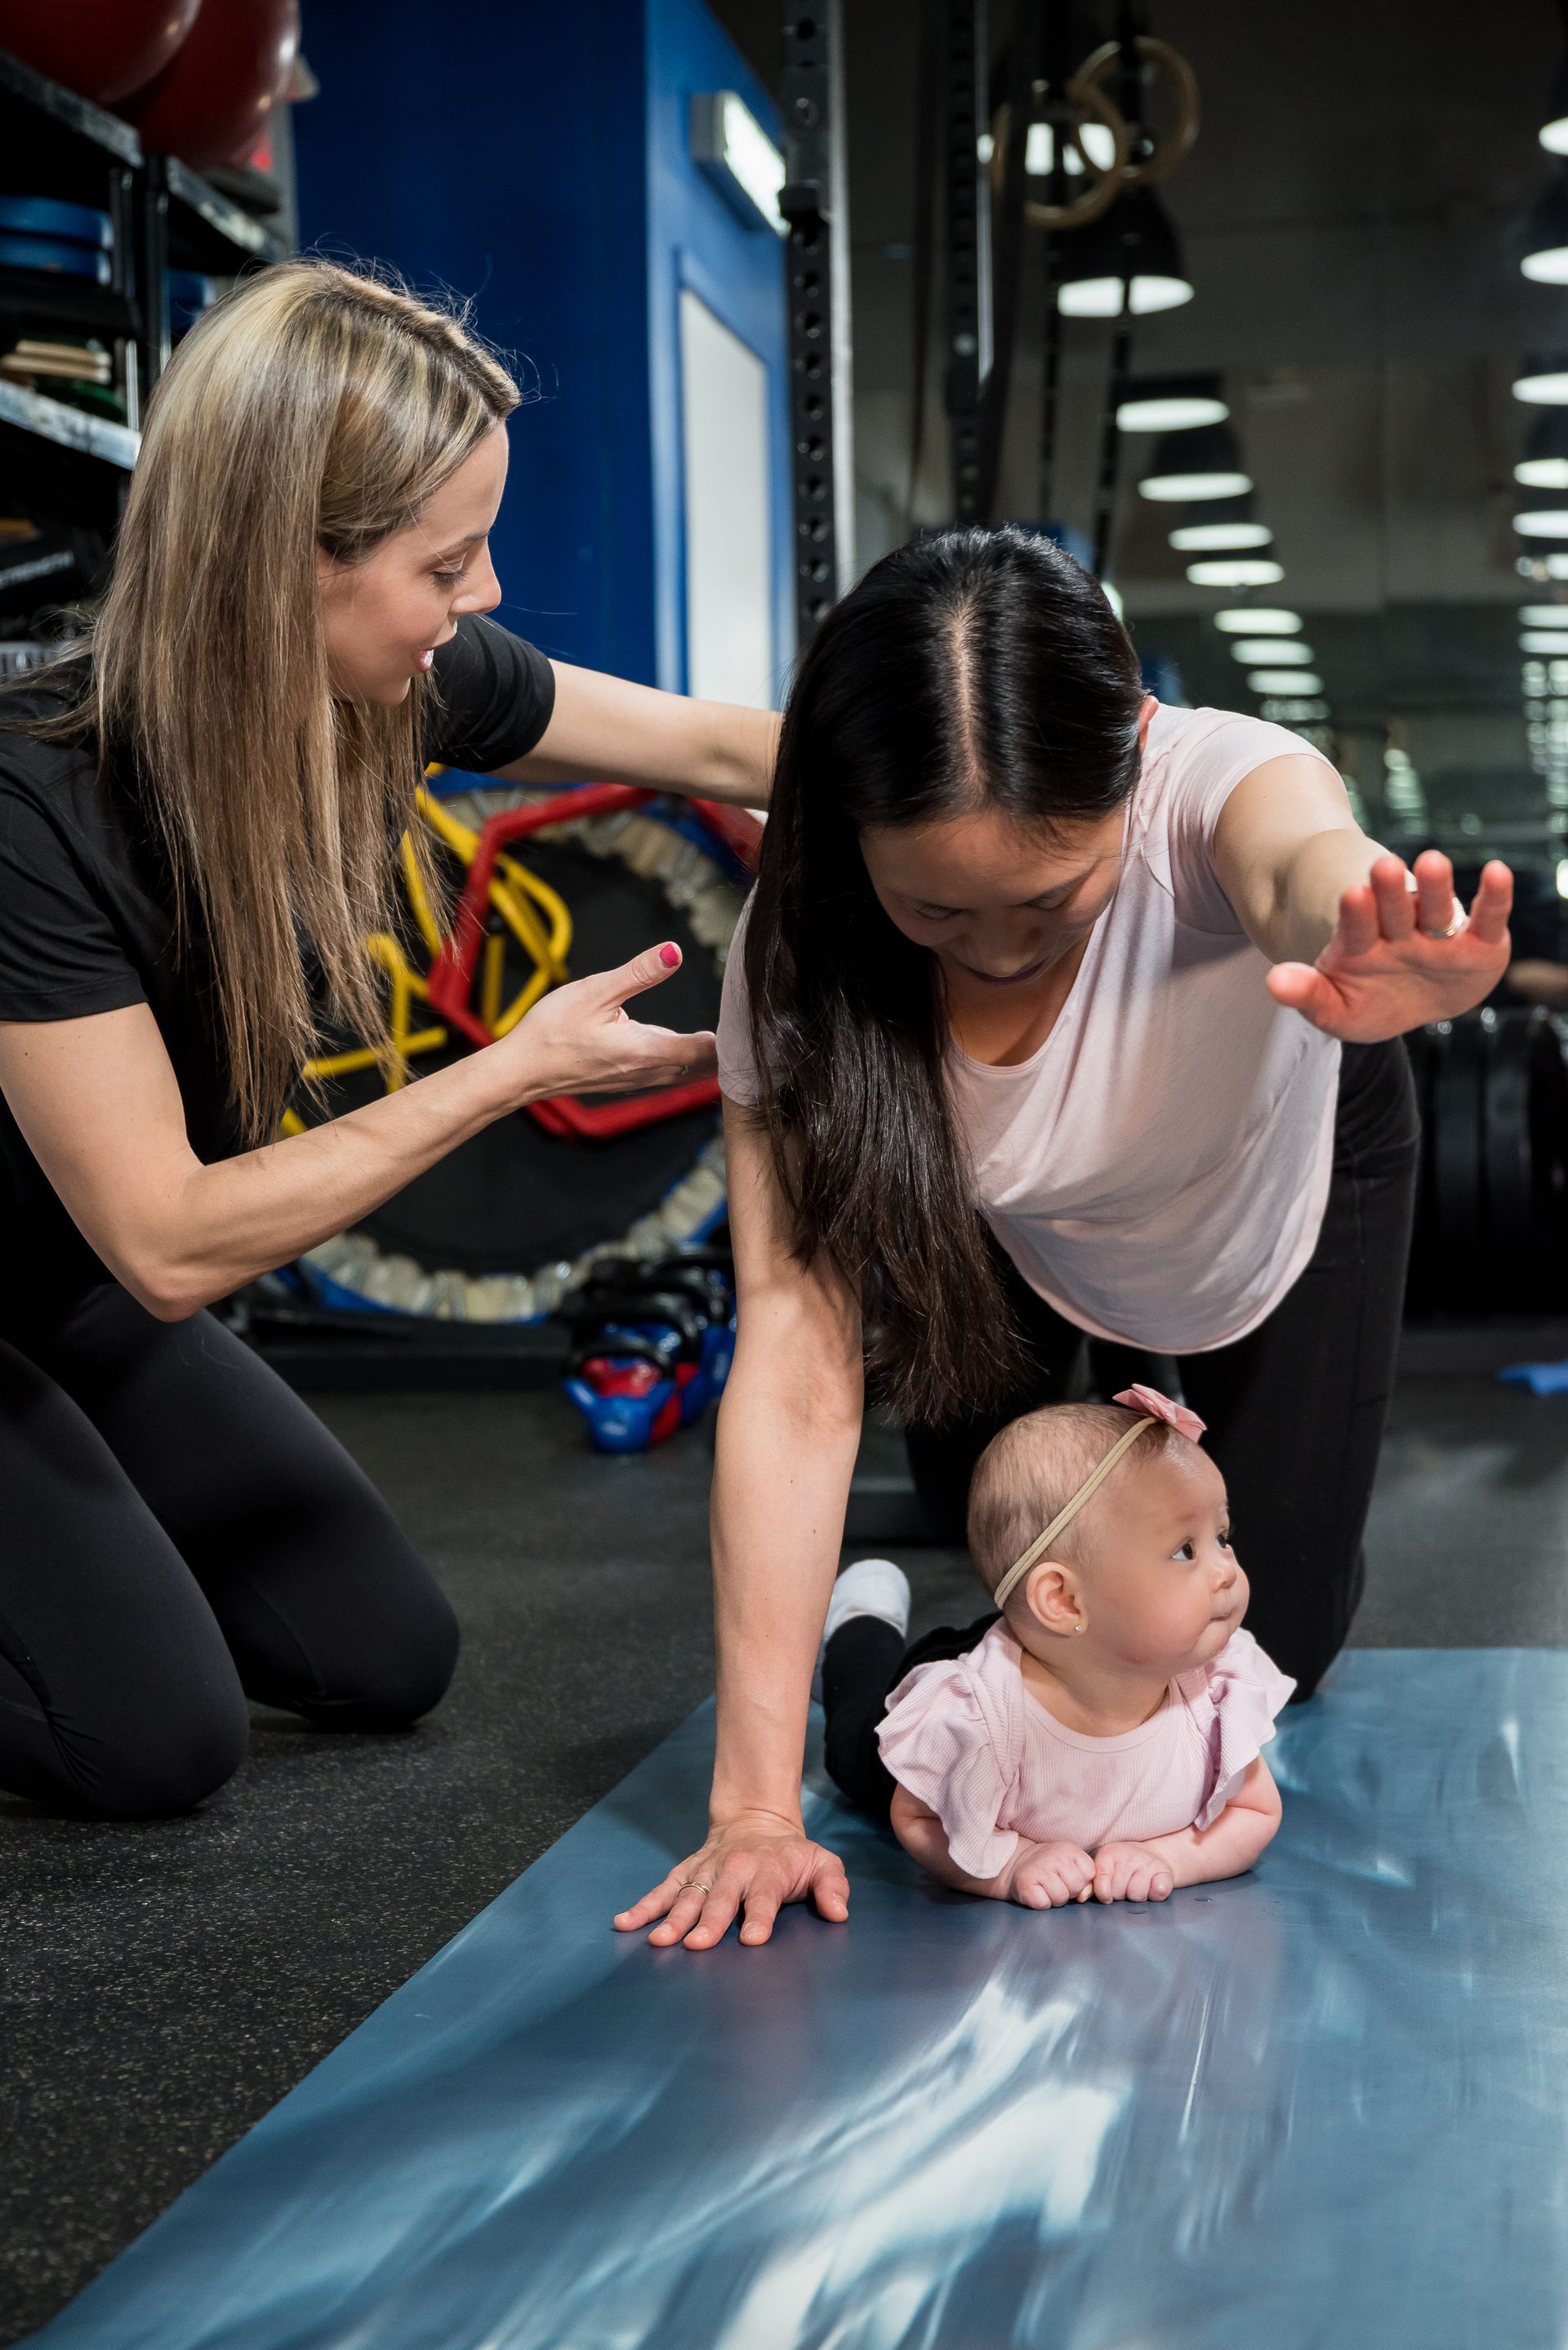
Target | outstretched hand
(1387,968)
(579,1038)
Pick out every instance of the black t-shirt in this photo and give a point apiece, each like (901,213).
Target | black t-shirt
(86,920)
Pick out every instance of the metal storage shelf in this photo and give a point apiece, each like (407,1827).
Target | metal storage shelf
(67,428)
(67,302)
(205,229)
(56,144)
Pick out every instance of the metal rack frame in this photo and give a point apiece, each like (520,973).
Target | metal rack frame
(814,202)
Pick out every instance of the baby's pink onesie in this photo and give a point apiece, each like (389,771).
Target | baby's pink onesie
(973,1743)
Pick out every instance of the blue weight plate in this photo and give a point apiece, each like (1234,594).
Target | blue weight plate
(46,216)
(190,288)
(51,259)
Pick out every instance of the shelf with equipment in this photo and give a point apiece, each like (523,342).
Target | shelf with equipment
(56,144)
(68,162)
(142,216)
(75,465)
(67,428)
(206,231)
(184,223)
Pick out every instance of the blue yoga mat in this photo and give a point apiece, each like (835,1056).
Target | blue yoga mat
(1323,2105)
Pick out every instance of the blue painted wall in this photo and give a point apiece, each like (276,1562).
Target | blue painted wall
(536,161)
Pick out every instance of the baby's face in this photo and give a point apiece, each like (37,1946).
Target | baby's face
(1159,1585)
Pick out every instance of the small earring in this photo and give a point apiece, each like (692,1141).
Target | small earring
(1080,1628)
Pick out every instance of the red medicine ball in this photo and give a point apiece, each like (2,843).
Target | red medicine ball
(102,49)
(212,101)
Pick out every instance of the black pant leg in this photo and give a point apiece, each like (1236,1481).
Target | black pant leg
(857,1673)
(1295,1412)
(325,1604)
(864,1659)
(118,1698)
(942,1460)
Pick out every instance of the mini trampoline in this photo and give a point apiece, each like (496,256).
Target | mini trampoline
(547,886)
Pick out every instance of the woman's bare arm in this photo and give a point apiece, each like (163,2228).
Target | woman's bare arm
(98,1104)
(604,730)
(1357,951)
(788,1431)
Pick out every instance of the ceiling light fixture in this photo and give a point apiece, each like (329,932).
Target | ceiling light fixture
(1216,537)
(1543,522)
(1264,622)
(1284,680)
(1545,640)
(1189,468)
(1172,403)
(1236,571)
(1543,616)
(1545,256)
(1264,649)
(1553,132)
(1136,234)
(1289,711)
(1543,381)
(1544,464)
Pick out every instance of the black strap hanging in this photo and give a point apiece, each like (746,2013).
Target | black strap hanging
(814,202)
(967,221)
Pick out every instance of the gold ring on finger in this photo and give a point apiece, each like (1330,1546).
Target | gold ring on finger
(694,1884)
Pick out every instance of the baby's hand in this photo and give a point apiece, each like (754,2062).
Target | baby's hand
(1049,1876)
(1131,1872)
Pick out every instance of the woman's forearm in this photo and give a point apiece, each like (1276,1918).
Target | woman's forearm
(100,1106)
(606,730)
(1306,913)
(230,1221)
(780,1483)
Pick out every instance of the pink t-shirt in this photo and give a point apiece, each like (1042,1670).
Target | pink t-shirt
(1158,1170)
(972,1743)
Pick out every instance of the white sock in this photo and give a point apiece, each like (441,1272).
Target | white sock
(871,1587)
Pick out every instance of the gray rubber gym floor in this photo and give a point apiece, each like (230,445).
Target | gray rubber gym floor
(161,1986)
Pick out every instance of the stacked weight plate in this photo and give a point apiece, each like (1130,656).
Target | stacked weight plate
(56,240)
(1491,1218)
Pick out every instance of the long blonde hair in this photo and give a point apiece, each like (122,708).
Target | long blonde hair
(312,409)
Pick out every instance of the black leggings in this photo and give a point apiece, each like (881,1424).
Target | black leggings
(181,1532)
(1296,1418)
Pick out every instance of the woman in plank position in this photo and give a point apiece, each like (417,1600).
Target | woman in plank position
(1057,1013)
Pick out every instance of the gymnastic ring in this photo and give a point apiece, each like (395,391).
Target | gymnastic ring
(1104,186)
(1177,142)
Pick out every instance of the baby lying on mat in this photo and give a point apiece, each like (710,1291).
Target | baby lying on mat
(1106,1736)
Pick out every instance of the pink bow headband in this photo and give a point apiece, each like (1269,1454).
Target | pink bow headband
(1156,1411)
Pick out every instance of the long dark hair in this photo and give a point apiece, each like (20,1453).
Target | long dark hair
(970,668)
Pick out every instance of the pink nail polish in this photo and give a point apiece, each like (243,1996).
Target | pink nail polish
(669,957)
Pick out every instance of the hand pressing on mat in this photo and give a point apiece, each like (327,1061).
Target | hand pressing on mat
(1400,956)
(752,1865)
(580,1039)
